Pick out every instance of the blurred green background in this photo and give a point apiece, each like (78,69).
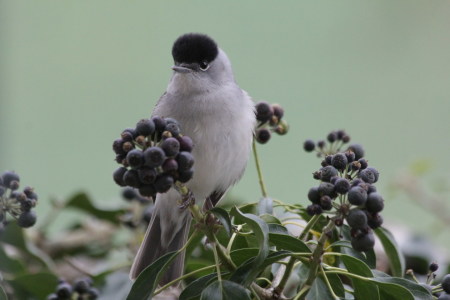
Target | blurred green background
(73,74)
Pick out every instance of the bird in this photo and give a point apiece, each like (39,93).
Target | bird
(219,117)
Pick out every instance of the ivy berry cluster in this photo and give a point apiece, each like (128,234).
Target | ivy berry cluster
(346,190)
(81,289)
(269,117)
(154,155)
(16,203)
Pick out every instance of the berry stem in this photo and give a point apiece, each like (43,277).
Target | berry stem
(258,169)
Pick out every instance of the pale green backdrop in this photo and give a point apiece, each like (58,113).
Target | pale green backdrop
(73,74)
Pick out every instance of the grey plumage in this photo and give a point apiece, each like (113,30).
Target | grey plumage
(219,117)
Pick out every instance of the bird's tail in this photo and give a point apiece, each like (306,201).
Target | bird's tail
(167,232)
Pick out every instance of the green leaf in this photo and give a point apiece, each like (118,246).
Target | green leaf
(261,231)
(249,208)
(82,202)
(395,256)
(195,288)
(265,206)
(336,285)
(3,294)
(240,256)
(225,290)
(9,264)
(276,228)
(38,285)
(288,242)
(270,219)
(389,285)
(223,217)
(319,290)
(367,257)
(363,289)
(148,280)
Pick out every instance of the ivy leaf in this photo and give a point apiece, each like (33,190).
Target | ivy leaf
(82,202)
(223,217)
(400,288)
(276,228)
(288,242)
(261,231)
(147,281)
(362,289)
(195,288)
(225,290)
(395,256)
(319,290)
(38,285)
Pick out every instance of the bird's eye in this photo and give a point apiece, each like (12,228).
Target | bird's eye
(204,66)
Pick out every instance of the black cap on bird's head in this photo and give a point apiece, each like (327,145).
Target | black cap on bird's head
(194,48)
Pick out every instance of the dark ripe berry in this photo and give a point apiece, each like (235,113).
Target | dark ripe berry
(27,219)
(171,121)
(186,143)
(328,159)
(185,161)
(350,156)
(313,195)
(171,146)
(369,175)
(323,163)
(127,136)
(163,183)
(374,203)
(127,146)
(371,189)
(147,214)
(446,283)
(27,204)
(29,192)
(357,149)
(340,134)
(147,175)
(81,286)
(154,157)
(327,172)
(433,267)
(363,163)
(357,219)
(145,127)
(120,158)
(374,220)
(173,128)
(93,293)
(185,176)
(118,176)
(264,111)
(326,203)
(357,196)
(309,145)
(8,177)
(356,182)
(278,111)
(316,175)
(135,158)
(14,185)
(129,131)
(355,166)
(160,124)
(129,193)
(131,178)
(332,136)
(117,146)
(52,296)
(314,209)
(364,242)
(346,139)
(263,135)
(444,296)
(321,144)
(147,190)
(170,165)
(341,186)
(339,161)
(327,189)
(64,290)
(334,179)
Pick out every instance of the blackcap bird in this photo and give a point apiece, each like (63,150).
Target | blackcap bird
(219,116)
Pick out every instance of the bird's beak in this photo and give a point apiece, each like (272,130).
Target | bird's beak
(185,68)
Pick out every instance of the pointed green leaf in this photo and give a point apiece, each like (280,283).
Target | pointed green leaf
(363,289)
(38,285)
(195,288)
(240,256)
(270,219)
(265,206)
(9,264)
(336,284)
(395,256)
(261,231)
(148,280)
(82,202)
(389,285)
(319,290)
(275,228)
(288,242)
(225,290)
(223,217)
